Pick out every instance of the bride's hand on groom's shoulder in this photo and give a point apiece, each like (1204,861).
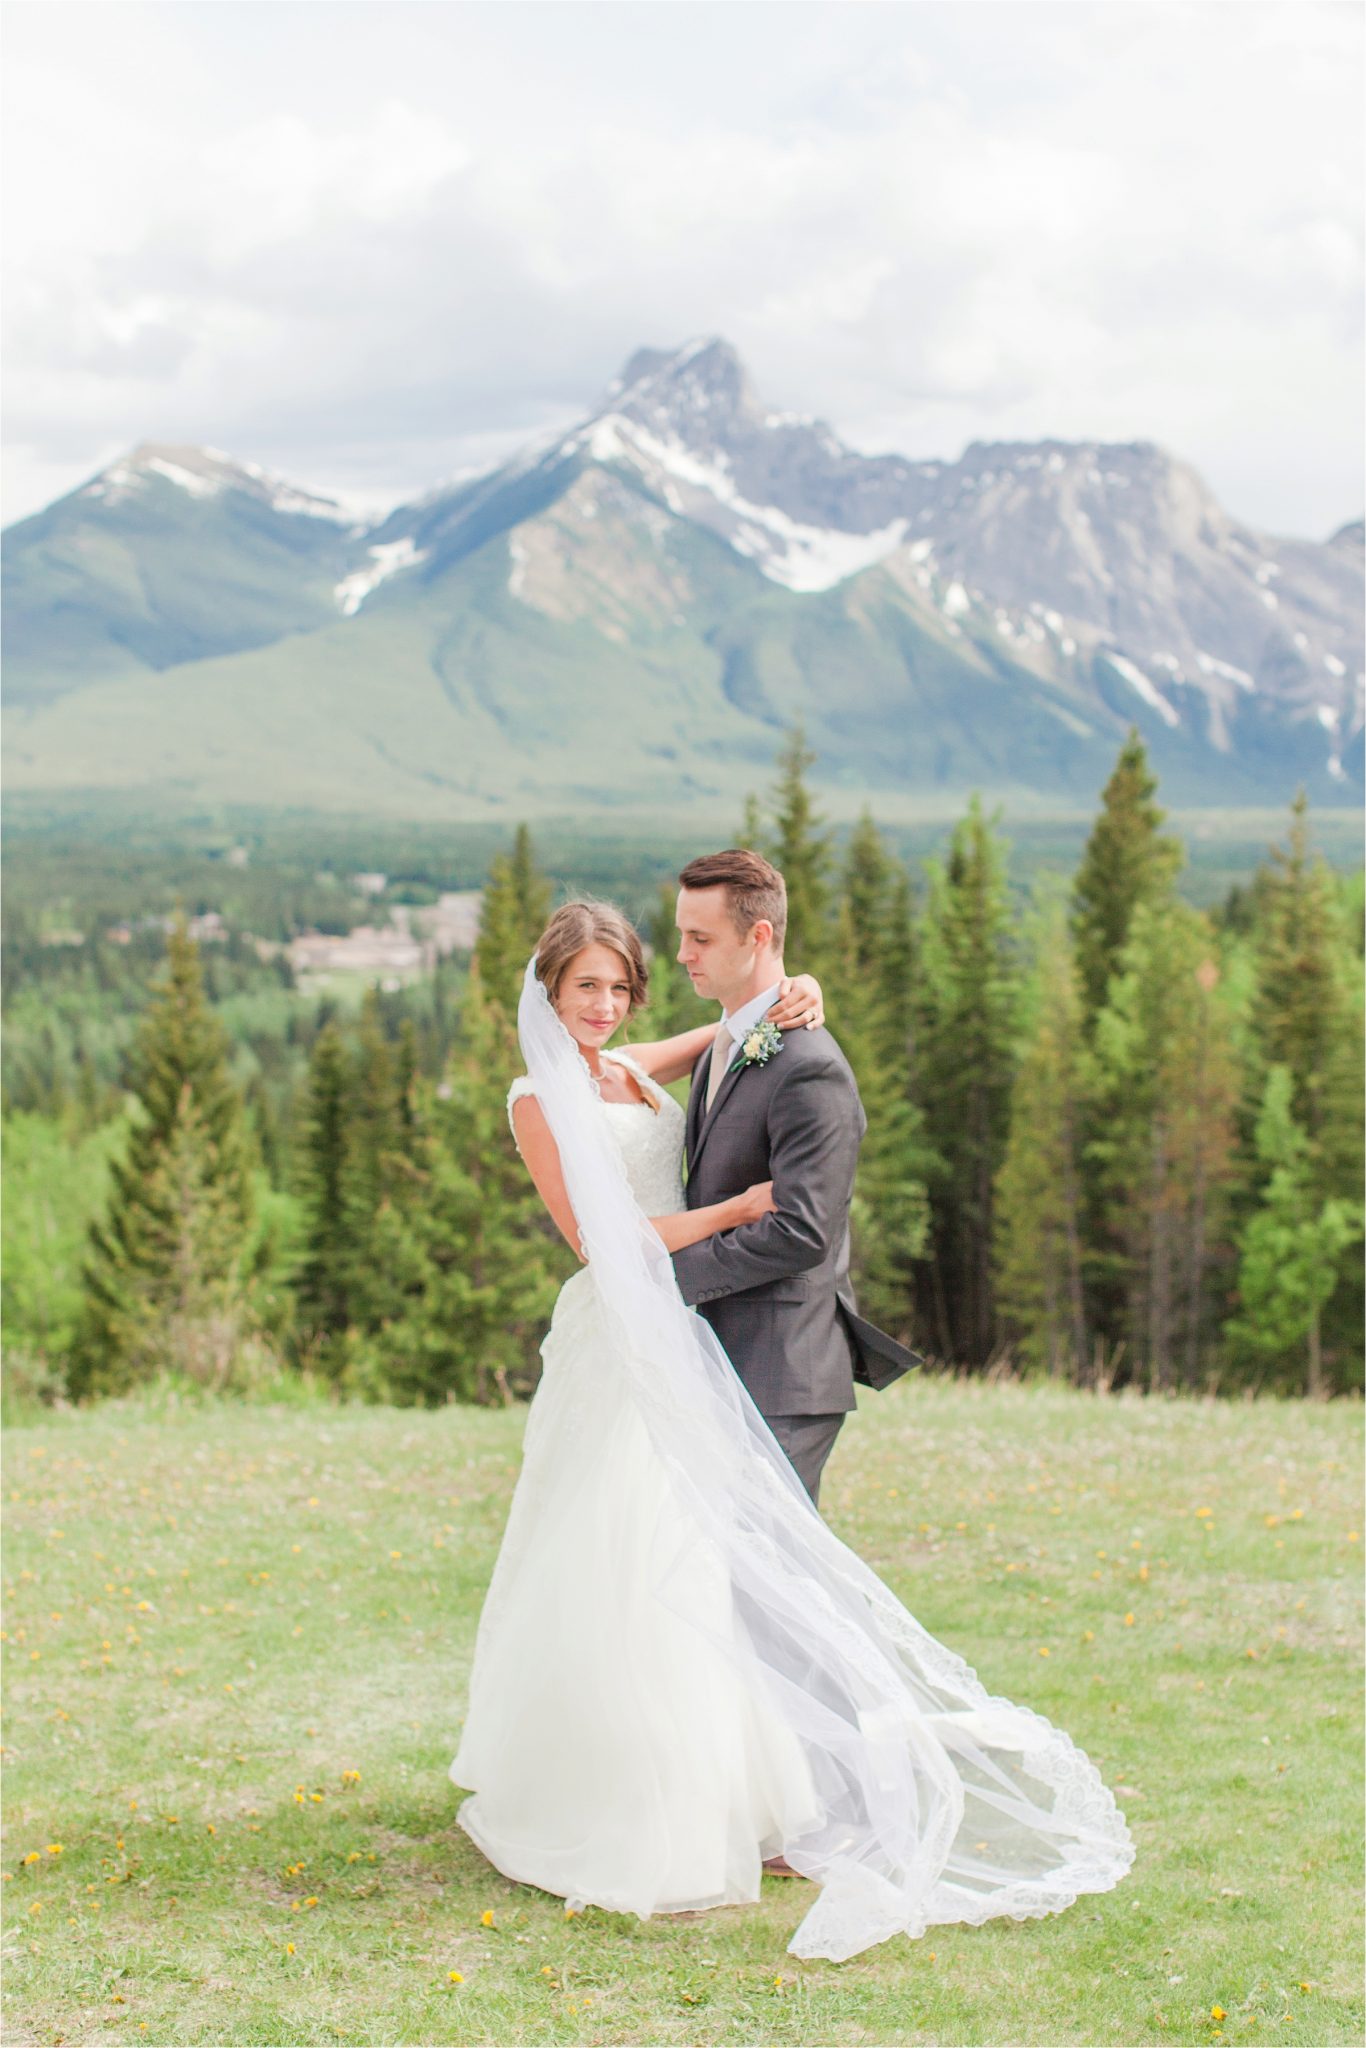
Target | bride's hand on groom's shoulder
(800,1004)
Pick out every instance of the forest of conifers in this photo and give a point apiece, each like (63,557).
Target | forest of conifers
(1111,1137)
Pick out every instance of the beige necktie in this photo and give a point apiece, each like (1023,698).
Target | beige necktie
(722,1052)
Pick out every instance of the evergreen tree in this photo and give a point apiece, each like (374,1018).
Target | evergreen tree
(801,852)
(1293,1246)
(512,916)
(890,1215)
(323,1283)
(1306,1008)
(487,1260)
(751,833)
(968,1002)
(1165,1087)
(164,1262)
(1127,861)
(1040,1223)
(673,1005)
(1307,1017)
(379,1140)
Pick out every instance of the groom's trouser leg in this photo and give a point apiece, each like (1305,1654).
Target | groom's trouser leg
(808,1441)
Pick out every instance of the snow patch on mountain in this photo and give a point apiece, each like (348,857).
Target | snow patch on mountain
(387,559)
(1146,688)
(195,482)
(207,473)
(801,557)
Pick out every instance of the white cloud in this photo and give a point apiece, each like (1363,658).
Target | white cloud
(370,245)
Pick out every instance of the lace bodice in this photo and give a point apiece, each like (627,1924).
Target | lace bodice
(651,1145)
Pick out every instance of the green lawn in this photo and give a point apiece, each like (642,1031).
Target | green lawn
(215,1614)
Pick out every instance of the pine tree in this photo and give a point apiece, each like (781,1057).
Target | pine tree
(323,1283)
(1293,1247)
(487,1260)
(1307,1017)
(380,1137)
(673,1005)
(1040,1225)
(1306,1009)
(751,834)
(801,852)
(512,916)
(1127,861)
(968,998)
(164,1262)
(1165,1086)
(890,1215)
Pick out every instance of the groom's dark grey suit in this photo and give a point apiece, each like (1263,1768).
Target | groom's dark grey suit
(777,1292)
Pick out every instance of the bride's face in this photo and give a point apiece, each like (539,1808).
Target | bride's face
(594,995)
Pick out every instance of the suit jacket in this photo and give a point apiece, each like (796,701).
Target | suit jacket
(777,1292)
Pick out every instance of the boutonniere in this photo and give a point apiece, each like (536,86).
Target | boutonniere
(758,1045)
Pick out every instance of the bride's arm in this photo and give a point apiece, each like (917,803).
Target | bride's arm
(669,1059)
(541,1154)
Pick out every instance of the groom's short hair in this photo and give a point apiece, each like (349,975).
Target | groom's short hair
(754,888)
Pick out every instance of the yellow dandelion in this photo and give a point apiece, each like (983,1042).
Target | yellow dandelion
(289,1948)
(1306,1987)
(34,1856)
(1044,1650)
(1129,1619)
(486,1917)
(54,1848)
(1216,2012)
(454,1977)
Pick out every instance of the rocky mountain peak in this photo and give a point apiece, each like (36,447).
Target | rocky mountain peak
(699,394)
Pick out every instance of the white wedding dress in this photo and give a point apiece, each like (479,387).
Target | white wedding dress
(620,1756)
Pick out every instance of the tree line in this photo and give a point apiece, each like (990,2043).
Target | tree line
(1110,1138)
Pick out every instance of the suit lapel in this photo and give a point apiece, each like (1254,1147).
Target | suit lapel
(708,1118)
(696,1103)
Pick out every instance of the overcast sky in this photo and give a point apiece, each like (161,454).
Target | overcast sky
(371,245)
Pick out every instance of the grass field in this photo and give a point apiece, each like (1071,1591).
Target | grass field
(237,1647)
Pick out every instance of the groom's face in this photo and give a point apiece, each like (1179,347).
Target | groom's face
(718,959)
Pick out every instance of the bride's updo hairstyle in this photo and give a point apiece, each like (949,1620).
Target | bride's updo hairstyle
(576,925)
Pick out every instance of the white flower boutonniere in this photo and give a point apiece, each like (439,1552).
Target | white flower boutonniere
(758,1045)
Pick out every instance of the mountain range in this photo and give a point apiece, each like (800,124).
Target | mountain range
(626,617)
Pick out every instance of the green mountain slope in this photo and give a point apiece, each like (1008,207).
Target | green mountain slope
(169,558)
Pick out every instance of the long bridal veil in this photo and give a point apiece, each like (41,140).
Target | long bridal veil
(932,1801)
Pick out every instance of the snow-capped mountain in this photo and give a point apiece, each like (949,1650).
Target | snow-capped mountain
(716,569)
(205,473)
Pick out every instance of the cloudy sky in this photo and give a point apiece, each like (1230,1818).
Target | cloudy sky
(371,245)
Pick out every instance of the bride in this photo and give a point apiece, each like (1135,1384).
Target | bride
(680,1671)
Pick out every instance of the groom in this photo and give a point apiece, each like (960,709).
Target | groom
(785,1108)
